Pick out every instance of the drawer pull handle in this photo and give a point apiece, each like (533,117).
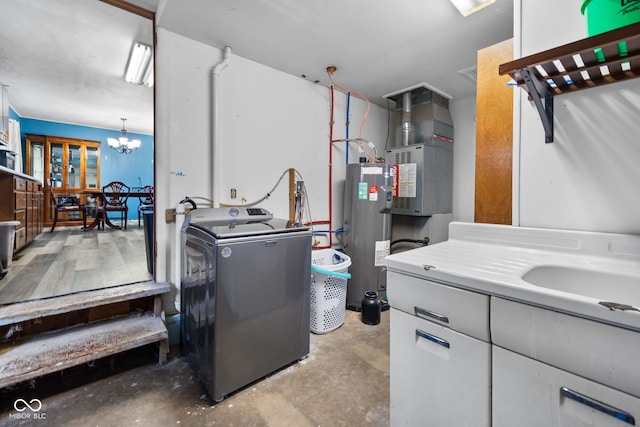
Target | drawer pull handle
(424,313)
(598,406)
(432,338)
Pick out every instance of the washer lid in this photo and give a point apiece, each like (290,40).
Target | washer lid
(243,228)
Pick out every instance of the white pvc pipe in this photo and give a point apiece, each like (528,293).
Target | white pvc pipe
(177,256)
(215,123)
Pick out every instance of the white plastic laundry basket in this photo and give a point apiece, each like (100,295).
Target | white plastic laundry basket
(328,292)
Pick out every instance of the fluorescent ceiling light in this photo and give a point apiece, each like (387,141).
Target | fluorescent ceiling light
(467,7)
(140,66)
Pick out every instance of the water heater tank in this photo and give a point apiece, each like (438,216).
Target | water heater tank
(367,228)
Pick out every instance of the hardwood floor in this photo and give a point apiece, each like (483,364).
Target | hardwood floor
(69,260)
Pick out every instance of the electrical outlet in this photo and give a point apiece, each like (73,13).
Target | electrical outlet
(234,193)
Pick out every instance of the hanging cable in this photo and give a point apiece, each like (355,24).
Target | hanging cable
(306,204)
(330,71)
(265,197)
(370,144)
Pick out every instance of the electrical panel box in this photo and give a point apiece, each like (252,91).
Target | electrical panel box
(423,179)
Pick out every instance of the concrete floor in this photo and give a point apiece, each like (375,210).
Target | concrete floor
(343,382)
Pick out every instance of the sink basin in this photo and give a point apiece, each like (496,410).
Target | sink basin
(604,286)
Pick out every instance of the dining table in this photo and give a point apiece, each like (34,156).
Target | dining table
(99,196)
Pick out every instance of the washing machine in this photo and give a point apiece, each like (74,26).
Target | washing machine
(245,295)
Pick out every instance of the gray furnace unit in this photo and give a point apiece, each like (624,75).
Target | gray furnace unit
(367,228)
(423,153)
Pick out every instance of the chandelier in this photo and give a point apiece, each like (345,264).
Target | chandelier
(123,144)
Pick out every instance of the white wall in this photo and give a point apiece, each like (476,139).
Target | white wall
(269,121)
(588,178)
(463,114)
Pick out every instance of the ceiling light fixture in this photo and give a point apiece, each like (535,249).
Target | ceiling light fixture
(123,144)
(467,7)
(140,66)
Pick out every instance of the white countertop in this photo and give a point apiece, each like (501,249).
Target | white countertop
(492,259)
(14,172)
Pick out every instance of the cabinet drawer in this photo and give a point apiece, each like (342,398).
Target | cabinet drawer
(20,184)
(21,237)
(594,350)
(437,383)
(529,393)
(21,201)
(30,186)
(22,217)
(458,309)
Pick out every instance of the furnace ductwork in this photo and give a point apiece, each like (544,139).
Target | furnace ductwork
(421,114)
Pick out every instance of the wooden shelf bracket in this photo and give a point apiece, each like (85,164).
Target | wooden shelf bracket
(602,59)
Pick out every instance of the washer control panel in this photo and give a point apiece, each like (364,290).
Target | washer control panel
(225,215)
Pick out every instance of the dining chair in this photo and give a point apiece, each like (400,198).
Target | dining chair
(145,202)
(114,199)
(65,203)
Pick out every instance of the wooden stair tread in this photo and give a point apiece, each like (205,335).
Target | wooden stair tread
(28,310)
(46,353)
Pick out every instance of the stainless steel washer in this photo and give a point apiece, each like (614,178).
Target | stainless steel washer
(244,295)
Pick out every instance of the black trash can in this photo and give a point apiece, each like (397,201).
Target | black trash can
(147,215)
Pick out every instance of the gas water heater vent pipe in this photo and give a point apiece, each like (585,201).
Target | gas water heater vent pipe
(406,118)
(215,123)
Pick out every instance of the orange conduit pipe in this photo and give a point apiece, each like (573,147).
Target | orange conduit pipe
(330,71)
(331,141)
(330,222)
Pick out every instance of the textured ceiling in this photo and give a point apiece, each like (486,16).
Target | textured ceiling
(64,59)
(378,46)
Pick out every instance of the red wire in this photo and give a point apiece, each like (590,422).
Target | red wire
(366,114)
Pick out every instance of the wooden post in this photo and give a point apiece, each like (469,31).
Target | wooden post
(292,194)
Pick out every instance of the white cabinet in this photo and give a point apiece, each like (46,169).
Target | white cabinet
(539,354)
(544,368)
(603,353)
(528,393)
(554,369)
(439,376)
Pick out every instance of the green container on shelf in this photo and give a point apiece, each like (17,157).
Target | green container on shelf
(606,15)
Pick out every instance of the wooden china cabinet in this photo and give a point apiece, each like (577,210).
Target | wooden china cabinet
(72,166)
